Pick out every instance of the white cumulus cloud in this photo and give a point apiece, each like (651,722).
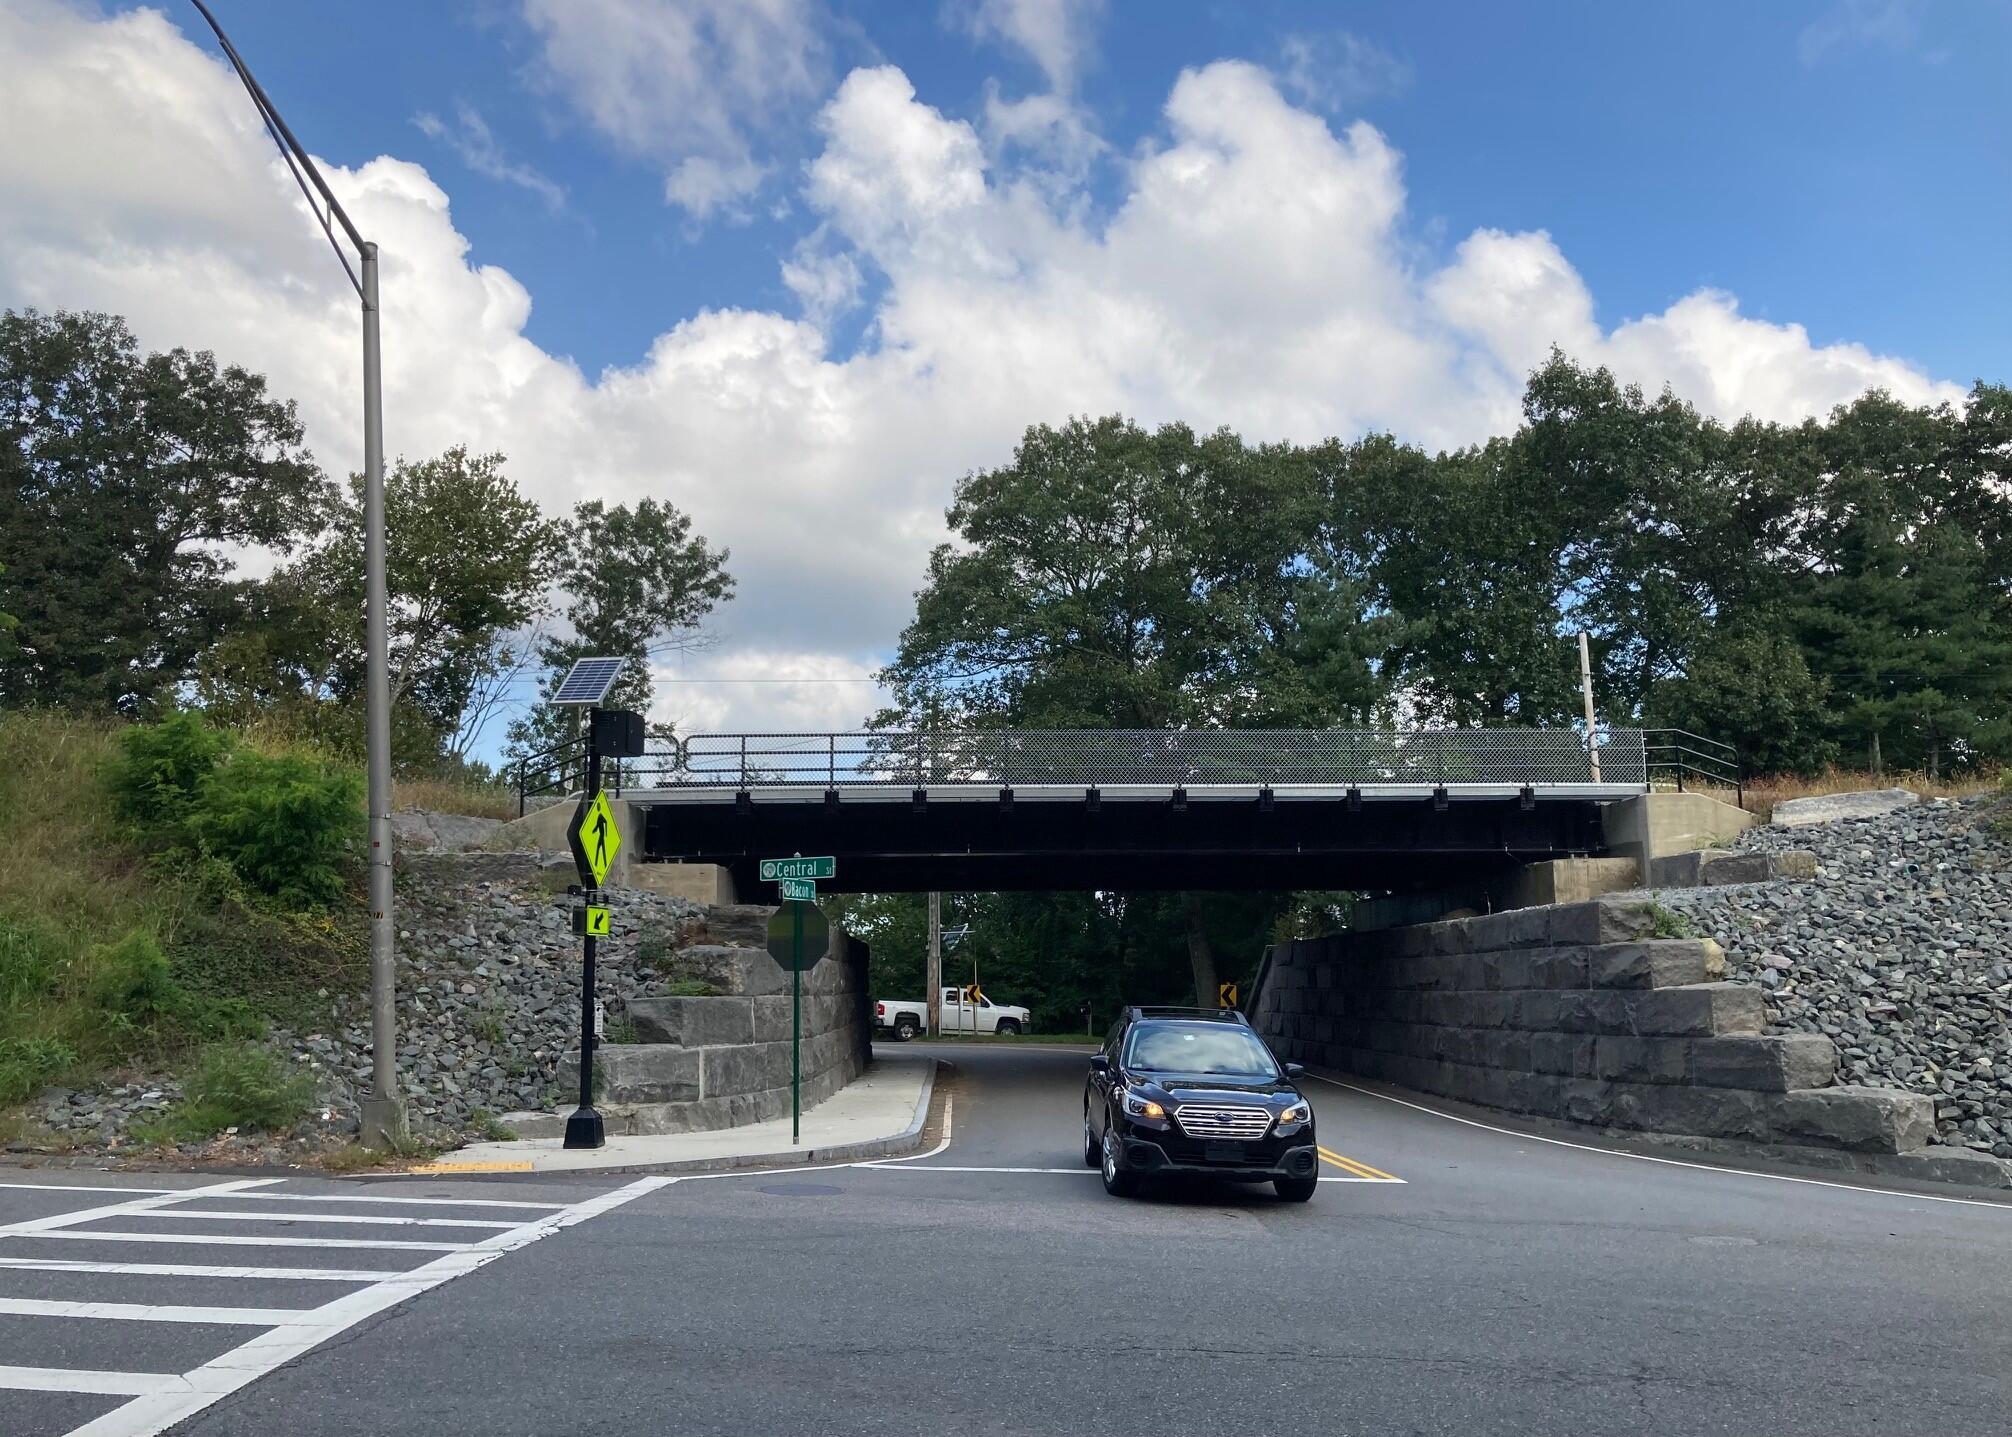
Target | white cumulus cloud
(1257,271)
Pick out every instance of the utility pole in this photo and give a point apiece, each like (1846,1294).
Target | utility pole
(935,994)
(384,1124)
(1586,689)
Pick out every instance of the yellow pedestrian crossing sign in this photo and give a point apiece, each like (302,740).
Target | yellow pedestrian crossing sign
(1226,995)
(594,839)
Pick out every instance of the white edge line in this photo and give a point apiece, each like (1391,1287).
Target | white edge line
(182,1269)
(149,1312)
(154,1413)
(80,1188)
(1652,1158)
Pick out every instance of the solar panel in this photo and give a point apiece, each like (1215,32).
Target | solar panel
(588,681)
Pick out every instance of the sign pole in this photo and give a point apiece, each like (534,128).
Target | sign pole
(584,1129)
(796,1026)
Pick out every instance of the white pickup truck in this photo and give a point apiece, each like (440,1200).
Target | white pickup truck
(905,1019)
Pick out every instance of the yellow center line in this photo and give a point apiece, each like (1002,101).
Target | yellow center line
(1360,1169)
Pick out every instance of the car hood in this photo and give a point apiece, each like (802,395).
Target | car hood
(1197,1088)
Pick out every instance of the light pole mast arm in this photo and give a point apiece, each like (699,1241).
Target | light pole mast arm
(384,1111)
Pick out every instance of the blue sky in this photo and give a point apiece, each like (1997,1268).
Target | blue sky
(1841,166)
(796,266)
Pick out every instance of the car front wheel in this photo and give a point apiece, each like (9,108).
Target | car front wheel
(905,1028)
(1009,1028)
(1117,1182)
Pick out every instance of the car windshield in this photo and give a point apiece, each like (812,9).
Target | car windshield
(1217,1050)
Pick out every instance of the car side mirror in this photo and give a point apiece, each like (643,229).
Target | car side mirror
(1295,1070)
(1099,1063)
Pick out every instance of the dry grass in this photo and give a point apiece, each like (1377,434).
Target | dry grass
(1763,793)
(445,795)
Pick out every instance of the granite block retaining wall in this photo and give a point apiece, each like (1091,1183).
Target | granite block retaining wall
(1577,1011)
(700,1064)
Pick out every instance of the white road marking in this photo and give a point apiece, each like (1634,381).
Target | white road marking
(178,1214)
(161,1408)
(80,1188)
(404,1201)
(149,1312)
(76,1379)
(1650,1158)
(222,1239)
(184,1269)
(48,1225)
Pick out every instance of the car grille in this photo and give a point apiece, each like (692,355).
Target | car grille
(1241,1120)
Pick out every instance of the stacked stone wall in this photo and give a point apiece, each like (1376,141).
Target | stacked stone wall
(1578,1012)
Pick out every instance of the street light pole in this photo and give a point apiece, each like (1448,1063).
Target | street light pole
(384,1123)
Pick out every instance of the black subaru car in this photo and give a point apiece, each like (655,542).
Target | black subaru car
(1195,1091)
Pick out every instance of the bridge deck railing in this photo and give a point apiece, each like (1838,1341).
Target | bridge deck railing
(1193,757)
(1085,758)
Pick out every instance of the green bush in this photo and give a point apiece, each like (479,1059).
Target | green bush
(130,981)
(27,1065)
(290,827)
(691,988)
(159,770)
(234,1085)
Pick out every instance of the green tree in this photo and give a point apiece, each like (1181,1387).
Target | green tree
(1112,578)
(126,481)
(468,567)
(638,584)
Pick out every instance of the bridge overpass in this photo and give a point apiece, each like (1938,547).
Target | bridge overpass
(1218,809)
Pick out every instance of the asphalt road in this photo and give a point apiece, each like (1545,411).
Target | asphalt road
(1446,1278)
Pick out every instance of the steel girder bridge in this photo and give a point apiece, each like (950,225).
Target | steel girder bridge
(1048,809)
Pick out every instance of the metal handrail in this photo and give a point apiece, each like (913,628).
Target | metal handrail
(1171,757)
(1678,754)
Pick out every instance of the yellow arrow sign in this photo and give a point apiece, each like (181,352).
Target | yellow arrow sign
(594,839)
(1226,995)
(597,921)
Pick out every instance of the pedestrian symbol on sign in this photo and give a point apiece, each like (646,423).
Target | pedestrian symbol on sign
(595,840)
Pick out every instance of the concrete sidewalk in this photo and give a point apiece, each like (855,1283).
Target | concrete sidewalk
(878,1115)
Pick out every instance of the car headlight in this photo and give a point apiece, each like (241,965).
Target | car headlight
(1138,1107)
(1296,1114)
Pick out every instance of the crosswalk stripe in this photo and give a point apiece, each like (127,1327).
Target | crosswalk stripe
(148,1312)
(176,1214)
(231,1239)
(78,1379)
(186,1269)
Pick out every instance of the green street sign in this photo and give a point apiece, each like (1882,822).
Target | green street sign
(798,890)
(774,870)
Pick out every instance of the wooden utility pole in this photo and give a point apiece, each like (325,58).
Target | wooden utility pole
(1586,688)
(934,997)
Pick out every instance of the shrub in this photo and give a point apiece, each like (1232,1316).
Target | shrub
(159,770)
(27,1065)
(234,1085)
(289,826)
(130,980)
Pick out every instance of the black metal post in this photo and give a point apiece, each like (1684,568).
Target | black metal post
(584,1128)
